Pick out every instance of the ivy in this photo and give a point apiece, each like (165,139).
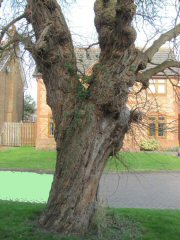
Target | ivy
(70,69)
(87,79)
(132,68)
(82,92)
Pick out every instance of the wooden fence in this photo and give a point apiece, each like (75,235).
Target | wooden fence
(18,134)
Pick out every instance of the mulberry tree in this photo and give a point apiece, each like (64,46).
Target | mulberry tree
(90,122)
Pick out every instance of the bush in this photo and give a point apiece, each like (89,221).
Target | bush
(149,145)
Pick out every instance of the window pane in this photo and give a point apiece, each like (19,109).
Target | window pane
(161,88)
(152,88)
(161,129)
(152,129)
(161,81)
(51,128)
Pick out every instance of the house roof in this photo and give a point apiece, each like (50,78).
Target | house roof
(162,55)
(86,59)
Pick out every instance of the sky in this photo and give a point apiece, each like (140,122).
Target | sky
(80,18)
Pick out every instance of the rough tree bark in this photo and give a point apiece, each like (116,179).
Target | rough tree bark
(90,128)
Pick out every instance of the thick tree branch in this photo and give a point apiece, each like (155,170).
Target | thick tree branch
(54,54)
(113,23)
(173,33)
(142,77)
(10,24)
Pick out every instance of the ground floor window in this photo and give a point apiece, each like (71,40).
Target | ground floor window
(51,126)
(157,126)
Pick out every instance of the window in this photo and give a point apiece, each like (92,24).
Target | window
(51,127)
(157,126)
(161,126)
(152,126)
(157,86)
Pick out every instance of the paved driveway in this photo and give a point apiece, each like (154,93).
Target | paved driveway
(144,190)
(141,190)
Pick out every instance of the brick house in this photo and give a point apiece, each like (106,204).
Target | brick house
(159,104)
(12,89)
(45,125)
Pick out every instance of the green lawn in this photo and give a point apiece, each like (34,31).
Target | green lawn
(30,158)
(27,158)
(150,224)
(18,222)
(143,161)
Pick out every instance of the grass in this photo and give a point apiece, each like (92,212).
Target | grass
(27,158)
(18,221)
(143,161)
(31,159)
(152,224)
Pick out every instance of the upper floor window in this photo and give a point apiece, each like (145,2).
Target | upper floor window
(157,86)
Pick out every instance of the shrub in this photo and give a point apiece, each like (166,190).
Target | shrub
(149,145)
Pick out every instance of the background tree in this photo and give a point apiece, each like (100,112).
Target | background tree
(90,123)
(29,108)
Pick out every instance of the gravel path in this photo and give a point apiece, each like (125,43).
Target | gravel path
(141,190)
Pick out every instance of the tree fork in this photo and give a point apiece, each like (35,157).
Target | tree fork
(88,130)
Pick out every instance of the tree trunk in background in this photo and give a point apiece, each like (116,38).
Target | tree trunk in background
(90,128)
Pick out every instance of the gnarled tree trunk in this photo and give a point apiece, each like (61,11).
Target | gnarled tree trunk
(88,129)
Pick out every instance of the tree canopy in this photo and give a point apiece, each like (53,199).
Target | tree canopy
(29,107)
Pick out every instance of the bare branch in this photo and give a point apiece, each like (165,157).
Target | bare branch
(91,45)
(173,33)
(26,41)
(10,24)
(160,68)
